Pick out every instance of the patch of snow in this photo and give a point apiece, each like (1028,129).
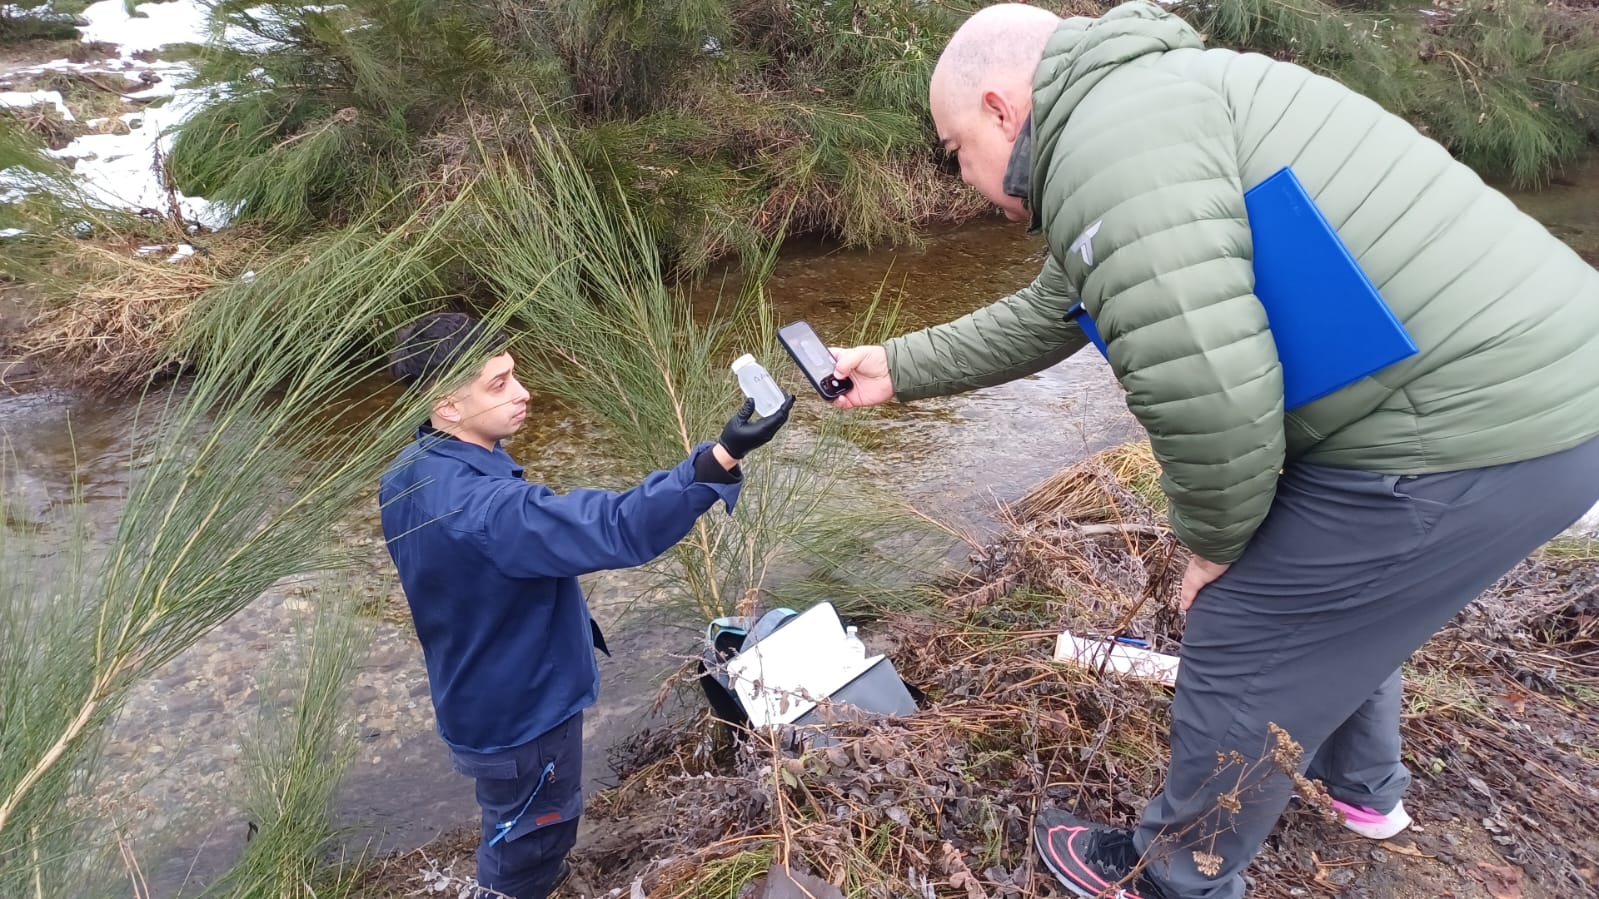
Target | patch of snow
(150,250)
(156,26)
(119,169)
(160,25)
(10,232)
(165,88)
(16,182)
(35,98)
(184,252)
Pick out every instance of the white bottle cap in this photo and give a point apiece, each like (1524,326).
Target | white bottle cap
(740,362)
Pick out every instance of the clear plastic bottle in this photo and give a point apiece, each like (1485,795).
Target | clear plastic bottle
(854,649)
(758,385)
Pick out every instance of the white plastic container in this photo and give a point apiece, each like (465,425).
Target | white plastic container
(758,385)
(853,647)
(1121,658)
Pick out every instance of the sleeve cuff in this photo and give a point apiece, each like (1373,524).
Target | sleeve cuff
(710,473)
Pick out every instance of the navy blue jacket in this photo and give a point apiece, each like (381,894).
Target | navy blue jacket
(489,564)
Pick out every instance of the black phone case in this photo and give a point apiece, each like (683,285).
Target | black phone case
(828,387)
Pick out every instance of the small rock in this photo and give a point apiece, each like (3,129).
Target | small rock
(27,500)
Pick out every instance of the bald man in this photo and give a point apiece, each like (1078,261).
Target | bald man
(1327,541)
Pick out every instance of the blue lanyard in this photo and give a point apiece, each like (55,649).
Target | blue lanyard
(504,827)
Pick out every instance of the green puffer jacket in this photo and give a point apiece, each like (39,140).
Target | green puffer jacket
(1144,143)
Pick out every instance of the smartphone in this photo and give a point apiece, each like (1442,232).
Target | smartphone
(814,359)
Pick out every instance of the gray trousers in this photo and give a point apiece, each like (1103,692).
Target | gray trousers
(1348,575)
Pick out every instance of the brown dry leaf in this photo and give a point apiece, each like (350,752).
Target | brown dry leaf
(1411,851)
(961,876)
(1516,702)
(1501,881)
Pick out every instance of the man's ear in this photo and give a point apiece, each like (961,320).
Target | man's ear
(445,409)
(1002,111)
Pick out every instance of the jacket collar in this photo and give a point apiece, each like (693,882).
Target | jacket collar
(1078,55)
(1019,171)
(495,463)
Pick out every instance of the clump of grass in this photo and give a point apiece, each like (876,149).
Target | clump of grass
(117,312)
(296,761)
(37,20)
(721,123)
(1510,87)
(49,188)
(42,120)
(240,481)
(1114,485)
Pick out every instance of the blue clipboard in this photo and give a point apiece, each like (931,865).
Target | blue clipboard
(1330,324)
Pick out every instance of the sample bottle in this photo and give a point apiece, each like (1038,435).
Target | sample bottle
(758,385)
(853,647)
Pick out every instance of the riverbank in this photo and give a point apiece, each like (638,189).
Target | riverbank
(1502,714)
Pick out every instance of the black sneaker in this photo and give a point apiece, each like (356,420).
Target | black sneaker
(1091,860)
(562,875)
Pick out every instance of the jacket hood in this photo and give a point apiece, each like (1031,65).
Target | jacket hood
(1082,51)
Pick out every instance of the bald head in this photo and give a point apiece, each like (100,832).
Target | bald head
(982,92)
(997,44)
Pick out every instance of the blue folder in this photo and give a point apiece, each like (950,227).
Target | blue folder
(1331,326)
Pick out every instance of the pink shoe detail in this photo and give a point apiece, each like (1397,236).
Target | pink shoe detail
(1371,823)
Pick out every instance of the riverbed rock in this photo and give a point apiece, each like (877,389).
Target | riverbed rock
(26,501)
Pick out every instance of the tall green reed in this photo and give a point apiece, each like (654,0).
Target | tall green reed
(241,477)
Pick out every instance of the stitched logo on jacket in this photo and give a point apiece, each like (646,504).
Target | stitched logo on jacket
(1084,244)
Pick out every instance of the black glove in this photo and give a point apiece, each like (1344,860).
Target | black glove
(742,436)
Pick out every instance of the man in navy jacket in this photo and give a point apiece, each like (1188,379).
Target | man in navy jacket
(489,565)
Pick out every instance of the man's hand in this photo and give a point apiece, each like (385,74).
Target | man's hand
(1199,574)
(742,436)
(868,367)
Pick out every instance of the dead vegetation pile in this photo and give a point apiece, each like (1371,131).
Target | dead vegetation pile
(126,304)
(1501,725)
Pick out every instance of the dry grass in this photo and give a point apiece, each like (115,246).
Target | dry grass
(42,120)
(111,327)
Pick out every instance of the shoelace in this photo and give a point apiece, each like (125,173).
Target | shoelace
(1114,849)
(1114,853)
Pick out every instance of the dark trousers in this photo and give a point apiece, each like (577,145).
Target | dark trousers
(1348,575)
(532,798)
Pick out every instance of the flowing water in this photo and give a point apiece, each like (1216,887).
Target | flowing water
(176,758)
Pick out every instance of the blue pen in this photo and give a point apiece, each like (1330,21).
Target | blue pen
(1125,641)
